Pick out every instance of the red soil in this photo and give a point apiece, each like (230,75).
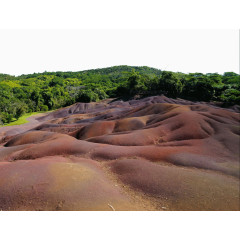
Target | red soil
(150,154)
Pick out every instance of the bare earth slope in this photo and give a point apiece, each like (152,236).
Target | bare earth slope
(155,153)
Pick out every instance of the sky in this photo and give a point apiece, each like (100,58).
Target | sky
(28,51)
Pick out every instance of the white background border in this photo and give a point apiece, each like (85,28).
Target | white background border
(125,14)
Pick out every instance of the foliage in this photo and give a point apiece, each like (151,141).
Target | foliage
(51,90)
(21,120)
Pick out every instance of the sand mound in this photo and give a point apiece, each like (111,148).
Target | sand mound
(58,183)
(180,188)
(150,154)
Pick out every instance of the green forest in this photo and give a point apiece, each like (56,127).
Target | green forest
(52,90)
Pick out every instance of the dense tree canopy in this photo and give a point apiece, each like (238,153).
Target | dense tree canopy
(52,90)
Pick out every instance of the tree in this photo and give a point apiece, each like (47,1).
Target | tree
(199,88)
(52,90)
(20,110)
(170,84)
(87,96)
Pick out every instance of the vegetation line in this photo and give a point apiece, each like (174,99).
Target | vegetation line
(21,120)
(52,90)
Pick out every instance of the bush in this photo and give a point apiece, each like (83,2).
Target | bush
(231,97)
(44,108)
(87,96)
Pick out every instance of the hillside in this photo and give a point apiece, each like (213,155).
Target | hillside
(52,90)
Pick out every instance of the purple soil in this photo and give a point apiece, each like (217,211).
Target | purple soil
(183,188)
(135,155)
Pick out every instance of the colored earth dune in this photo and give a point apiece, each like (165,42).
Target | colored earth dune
(154,153)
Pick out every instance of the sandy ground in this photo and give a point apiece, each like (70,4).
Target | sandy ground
(154,153)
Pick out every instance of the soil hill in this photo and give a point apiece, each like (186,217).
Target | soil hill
(154,153)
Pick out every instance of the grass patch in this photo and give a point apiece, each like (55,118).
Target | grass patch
(21,120)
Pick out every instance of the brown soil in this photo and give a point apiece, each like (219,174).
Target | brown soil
(155,153)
